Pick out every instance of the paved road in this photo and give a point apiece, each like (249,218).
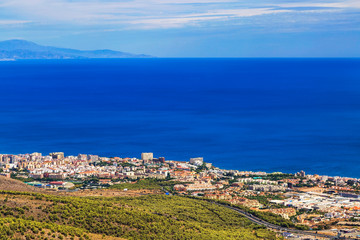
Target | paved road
(259,221)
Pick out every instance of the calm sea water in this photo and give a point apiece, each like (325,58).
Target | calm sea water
(246,114)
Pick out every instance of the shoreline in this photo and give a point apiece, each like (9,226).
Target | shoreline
(220,168)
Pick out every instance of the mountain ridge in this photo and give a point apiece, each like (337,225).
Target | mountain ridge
(22,49)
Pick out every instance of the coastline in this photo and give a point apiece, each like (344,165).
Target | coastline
(246,172)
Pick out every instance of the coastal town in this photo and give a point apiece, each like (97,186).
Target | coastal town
(325,204)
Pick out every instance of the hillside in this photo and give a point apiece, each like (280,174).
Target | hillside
(145,217)
(21,49)
(146,214)
(9,184)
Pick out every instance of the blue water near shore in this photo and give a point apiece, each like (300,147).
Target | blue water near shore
(248,114)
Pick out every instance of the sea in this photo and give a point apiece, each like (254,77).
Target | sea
(273,115)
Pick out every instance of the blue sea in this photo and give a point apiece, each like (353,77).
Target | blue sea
(248,114)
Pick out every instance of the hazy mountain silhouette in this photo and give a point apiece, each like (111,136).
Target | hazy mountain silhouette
(21,49)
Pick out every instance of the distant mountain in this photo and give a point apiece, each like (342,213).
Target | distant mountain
(21,49)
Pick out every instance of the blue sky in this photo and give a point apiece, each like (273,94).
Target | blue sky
(190,28)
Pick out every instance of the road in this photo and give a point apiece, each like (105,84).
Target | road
(259,221)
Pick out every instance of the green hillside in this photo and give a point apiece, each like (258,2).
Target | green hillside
(146,217)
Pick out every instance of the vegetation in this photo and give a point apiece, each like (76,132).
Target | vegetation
(141,184)
(126,164)
(102,164)
(272,218)
(201,168)
(264,199)
(147,184)
(146,217)
(275,219)
(17,228)
(271,176)
(278,176)
(266,216)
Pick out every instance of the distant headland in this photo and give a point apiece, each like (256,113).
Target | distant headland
(21,49)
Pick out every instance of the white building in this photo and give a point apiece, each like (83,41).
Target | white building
(197,161)
(147,156)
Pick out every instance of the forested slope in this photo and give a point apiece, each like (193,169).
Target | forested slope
(146,217)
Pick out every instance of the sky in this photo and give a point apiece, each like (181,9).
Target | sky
(189,28)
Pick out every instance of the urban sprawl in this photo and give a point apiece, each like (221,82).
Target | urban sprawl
(311,201)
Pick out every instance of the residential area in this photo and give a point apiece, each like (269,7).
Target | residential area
(326,204)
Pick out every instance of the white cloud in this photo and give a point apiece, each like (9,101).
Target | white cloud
(194,19)
(156,13)
(340,4)
(192,1)
(13,22)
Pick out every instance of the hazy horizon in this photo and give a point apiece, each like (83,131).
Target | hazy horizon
(190,28)
(46,45)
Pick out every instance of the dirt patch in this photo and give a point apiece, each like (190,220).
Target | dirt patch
(9,184)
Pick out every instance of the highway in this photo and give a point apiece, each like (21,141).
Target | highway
(259,221)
